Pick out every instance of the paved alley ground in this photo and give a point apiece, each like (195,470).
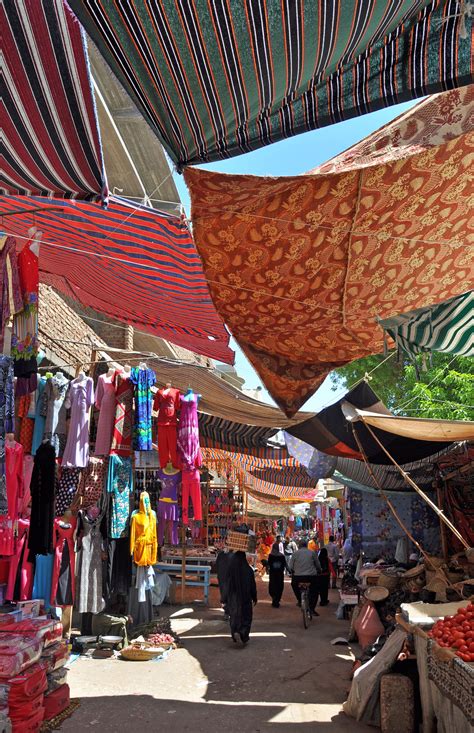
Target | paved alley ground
(287,679)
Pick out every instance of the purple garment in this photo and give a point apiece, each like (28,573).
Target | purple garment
(188,434)
(169,486)
(168,505)
(80,398)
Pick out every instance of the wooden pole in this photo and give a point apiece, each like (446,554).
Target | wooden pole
(410,481)
(444,539)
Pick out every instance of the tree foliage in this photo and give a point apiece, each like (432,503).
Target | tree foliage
(445,390)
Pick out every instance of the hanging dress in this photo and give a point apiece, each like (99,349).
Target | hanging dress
(24,346)
(43,492)
(67,489)
(189,450)
(63,581)
(14,487)
(105,403)
(21,572)
(38,429)
(143,379)
(89,598)
(80,398)
(119,488)
(7,423)
(92,482)
(54,411)
(143,539)
(122,436)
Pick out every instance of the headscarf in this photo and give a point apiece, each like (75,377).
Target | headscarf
(275,549)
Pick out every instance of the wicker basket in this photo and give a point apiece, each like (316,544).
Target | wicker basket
(141,652)
(388,581)
(237,541)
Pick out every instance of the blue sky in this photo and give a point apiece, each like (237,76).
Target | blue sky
(292,157)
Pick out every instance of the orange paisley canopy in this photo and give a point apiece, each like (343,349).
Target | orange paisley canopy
(301,267)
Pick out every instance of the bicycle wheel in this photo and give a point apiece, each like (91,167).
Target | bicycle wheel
(305,609)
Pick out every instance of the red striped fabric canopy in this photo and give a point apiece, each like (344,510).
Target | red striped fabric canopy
(133,264)
(51,144)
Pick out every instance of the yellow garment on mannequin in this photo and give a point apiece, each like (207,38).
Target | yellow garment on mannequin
(143,539)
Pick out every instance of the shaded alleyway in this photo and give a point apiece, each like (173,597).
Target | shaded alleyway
(287,679)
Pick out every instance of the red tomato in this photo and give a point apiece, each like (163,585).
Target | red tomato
(458,643)
(464,649)
(471,647)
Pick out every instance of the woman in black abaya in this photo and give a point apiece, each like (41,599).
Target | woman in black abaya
(240,595)
(276,571)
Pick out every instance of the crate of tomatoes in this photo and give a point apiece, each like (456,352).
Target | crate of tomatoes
(456,633)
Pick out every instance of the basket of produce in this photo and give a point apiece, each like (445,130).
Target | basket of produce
(141,651)
(165,641)
(456,633)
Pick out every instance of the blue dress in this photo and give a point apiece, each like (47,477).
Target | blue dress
(38,430)
(143,379)
(119,485)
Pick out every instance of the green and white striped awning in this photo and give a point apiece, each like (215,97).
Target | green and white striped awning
(446,327)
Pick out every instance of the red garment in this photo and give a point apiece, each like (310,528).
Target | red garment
(28,270)
(22,572)
(168,445)
(122,437)
(62,535)
(24,503)
(191,489)
(167,403)
(14,476)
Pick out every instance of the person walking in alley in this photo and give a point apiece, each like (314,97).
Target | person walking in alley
(276,571)
(333,555)
(304,566)
(240,595)
(322,581)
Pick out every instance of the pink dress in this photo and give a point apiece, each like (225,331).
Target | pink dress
(80,399)
(105,402)
(21,574)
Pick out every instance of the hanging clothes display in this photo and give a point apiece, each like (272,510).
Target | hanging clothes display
(43,578)
(67,489)
(189,451)
(24,347)
(191,490)
(143,379)
(63,585)
(168,505)
(89,598)
(54,411)
(167,404)
(80,399)
(24,426)
(11,301)
(122,435)
(105,403)
(119,569)
(43,490)
(119,487)
(21,571)
(143,539)
(39,421)
(92,482)
(7,422)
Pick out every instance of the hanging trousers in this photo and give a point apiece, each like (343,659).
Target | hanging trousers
(168,445)
(191,486)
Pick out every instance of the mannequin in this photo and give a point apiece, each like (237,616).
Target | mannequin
(110,372)
(143,540)
(127,369)
(167,404)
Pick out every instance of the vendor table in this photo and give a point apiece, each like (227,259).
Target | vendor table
(446,687)
(200,574)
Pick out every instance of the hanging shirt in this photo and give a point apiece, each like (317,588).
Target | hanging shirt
(167,403)
(119,485)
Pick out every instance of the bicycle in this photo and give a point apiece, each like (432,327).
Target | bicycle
(305,609)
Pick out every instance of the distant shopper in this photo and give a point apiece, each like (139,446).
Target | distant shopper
(333,555)
(322,583)
(276,571)
(279,542)
(240,594)
(304,566)
(312,544)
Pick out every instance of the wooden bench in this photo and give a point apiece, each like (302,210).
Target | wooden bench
(199,575)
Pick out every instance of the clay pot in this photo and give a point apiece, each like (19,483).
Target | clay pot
(368,625)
